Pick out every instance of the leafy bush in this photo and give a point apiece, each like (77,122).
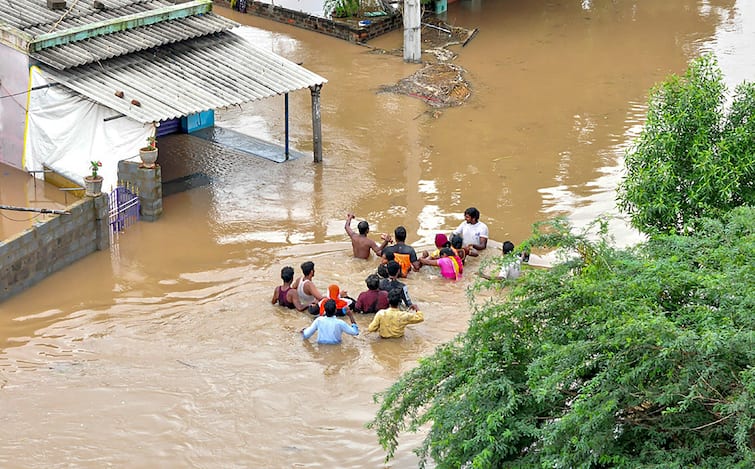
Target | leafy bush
(695,157)
(614,358)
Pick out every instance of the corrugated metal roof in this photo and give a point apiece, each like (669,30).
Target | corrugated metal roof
(184,78)
(124,42)
(33,17)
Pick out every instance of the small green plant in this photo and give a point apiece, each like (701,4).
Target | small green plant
(95,166)
(151,143)
(342,8)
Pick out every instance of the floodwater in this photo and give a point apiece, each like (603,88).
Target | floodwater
(165,350)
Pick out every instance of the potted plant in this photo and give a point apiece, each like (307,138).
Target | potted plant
(148,154)
(93,182)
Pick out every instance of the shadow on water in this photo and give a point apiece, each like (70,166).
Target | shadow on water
(187,161)
(253,146)
(185,183)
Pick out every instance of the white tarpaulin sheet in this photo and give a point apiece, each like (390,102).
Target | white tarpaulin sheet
(66,131)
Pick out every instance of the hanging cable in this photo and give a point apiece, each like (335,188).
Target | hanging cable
(40,87)
(62,17)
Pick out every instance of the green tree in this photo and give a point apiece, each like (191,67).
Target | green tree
(641,357)
(695,156)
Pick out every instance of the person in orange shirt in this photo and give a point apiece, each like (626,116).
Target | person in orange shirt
(343,303)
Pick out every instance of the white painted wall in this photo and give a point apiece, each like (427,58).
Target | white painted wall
(14,81)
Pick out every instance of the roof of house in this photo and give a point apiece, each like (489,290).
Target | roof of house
(125,42)
(35,18)
(187,77)
(166,59)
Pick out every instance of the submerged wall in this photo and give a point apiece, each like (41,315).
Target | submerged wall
(347,28)
(50,245)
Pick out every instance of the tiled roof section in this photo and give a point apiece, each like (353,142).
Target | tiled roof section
(132,40)
(183,78)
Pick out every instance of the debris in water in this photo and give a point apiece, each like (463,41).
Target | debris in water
(439,85)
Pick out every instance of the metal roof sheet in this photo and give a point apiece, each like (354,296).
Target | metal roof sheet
(183,78)
(125,42)
(34,18)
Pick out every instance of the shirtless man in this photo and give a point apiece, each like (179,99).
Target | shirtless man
(360,243)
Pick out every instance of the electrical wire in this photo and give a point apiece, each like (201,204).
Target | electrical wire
(62,17)
(13,219)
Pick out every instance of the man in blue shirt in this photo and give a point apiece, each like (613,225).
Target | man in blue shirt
(329,328)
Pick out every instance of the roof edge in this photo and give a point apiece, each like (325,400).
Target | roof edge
(122,23)
(14,37)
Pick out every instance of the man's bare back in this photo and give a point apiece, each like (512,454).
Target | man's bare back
(360,243)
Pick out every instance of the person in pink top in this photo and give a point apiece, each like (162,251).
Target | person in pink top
(449,263)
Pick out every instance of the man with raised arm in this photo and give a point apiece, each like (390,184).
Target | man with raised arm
(360,243)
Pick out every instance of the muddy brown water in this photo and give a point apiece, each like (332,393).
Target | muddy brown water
(165,350)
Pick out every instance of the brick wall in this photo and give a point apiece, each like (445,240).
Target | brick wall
(50,245)
(347,29)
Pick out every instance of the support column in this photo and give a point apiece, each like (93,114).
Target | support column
(316,123)
(412,32)
(102,221)
(286,112)
(148,184)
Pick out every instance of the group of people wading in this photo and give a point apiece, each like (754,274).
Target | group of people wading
(386,296)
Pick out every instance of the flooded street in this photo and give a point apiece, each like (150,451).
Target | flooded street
(166,352)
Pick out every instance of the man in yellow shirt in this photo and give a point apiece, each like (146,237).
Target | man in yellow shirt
(390,323)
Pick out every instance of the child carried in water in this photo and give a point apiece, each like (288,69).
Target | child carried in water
(442,241)
(343,302)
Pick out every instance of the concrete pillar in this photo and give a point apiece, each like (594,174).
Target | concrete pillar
(412,32)
(102,221)
(148,184)
(316,123)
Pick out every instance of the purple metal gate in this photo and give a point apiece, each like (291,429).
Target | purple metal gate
(124,208)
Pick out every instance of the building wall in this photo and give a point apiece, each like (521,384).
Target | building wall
(347,29)
(36,253)
(14,80)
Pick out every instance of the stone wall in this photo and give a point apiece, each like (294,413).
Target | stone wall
(50,245)
(347,29)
